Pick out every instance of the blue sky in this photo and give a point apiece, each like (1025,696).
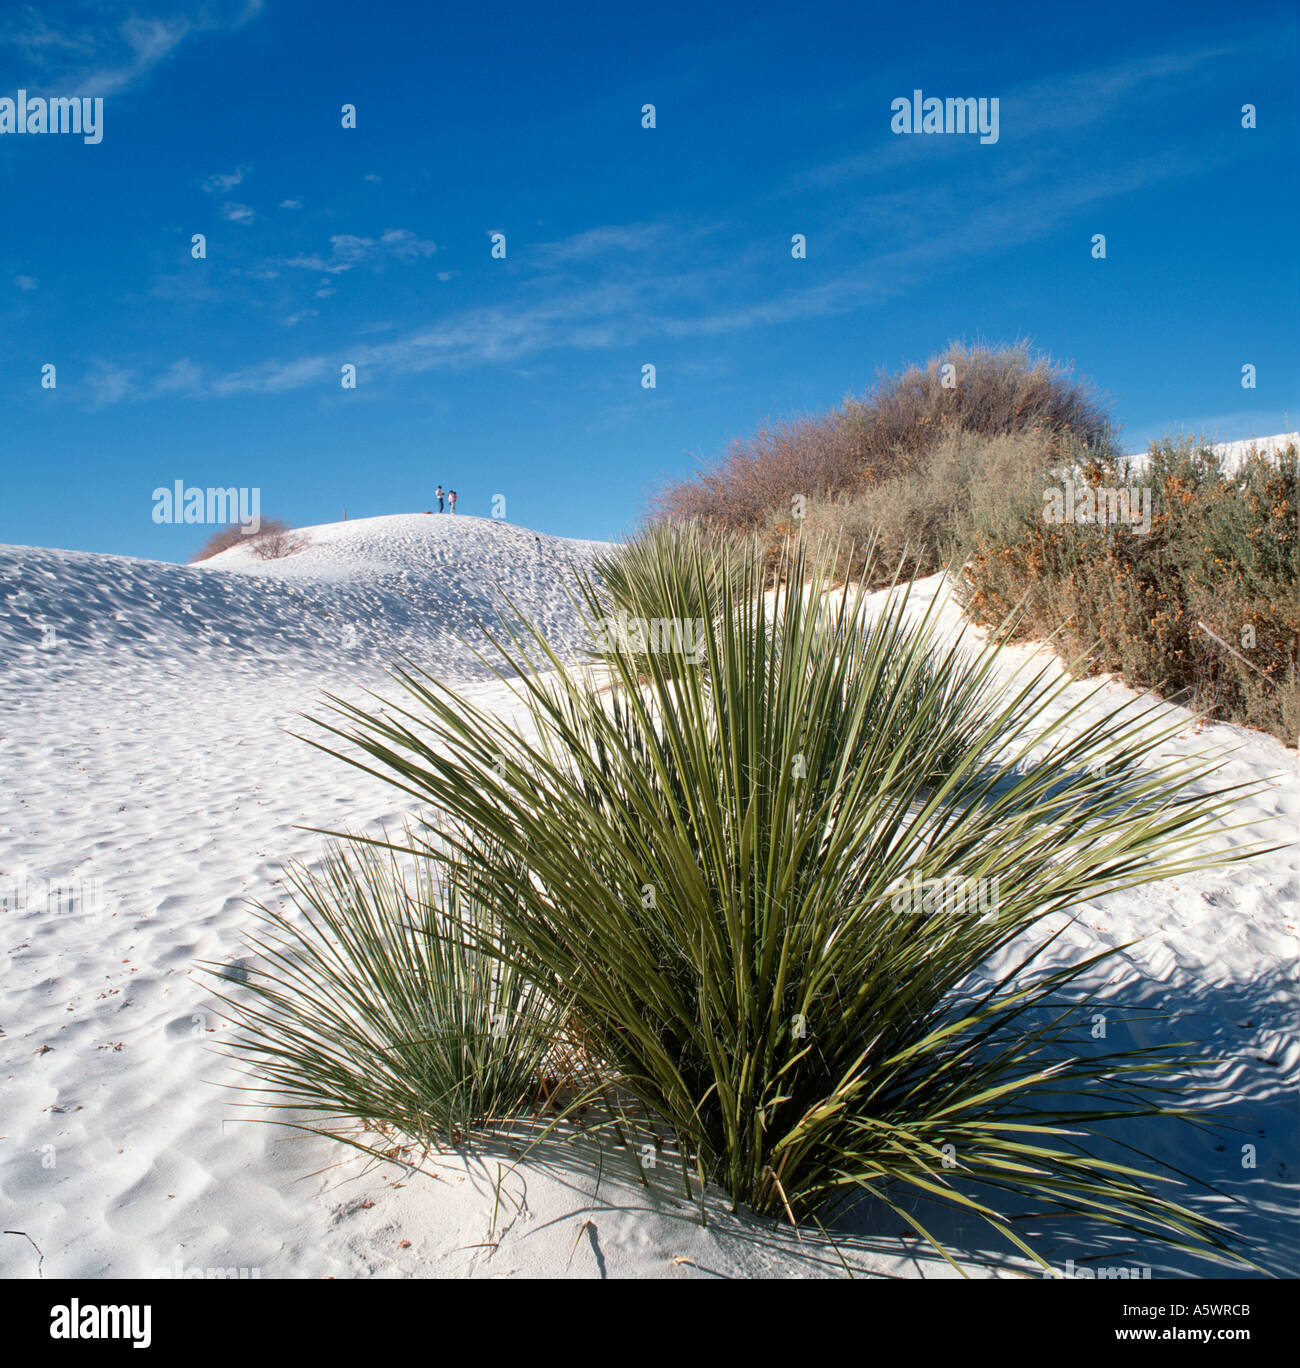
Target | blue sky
(625,246)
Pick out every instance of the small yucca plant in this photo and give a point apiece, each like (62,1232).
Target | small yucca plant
(731,870)
(385,995)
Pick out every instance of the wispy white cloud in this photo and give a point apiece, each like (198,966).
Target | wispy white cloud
(599,242)
(348,251)
(486,334)
(274,377)
(222,184)
(108,383)
(1032,111)
(184,286)
(182,377)
(36,35)
(89,50)
(238,213)
(26,282)
(650,300)
(622,285)
(404,245)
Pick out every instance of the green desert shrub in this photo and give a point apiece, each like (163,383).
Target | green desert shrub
(910,522)
(730,874)
(1202,603)
(386,995)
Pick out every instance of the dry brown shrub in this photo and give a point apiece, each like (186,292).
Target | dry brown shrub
(761,473)
(221,540)
(996,391)
(273,540)
(892,433)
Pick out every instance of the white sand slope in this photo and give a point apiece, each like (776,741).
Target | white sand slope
(356,593)
(149,781)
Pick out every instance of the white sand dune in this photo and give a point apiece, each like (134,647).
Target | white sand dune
(357,592)
(150,782)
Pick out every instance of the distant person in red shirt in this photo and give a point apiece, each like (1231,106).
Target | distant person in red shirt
(451,499)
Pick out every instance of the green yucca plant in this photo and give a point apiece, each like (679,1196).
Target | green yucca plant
(730,871)
(386,995)
(673,576)
(678,567)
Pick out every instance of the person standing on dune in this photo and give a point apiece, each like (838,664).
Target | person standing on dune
(451,500)
(437,494)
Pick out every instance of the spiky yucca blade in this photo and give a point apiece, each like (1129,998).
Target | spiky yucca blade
(730,867)
(380,997)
